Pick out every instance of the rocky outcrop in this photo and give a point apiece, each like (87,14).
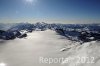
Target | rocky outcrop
(10,35)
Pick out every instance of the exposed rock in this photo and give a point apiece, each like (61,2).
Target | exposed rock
(22,36)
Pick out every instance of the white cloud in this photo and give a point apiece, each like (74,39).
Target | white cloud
(26,51)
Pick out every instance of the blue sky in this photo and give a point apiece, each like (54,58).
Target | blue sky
(50,10)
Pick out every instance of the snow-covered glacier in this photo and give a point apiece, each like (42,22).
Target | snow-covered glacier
(42,44)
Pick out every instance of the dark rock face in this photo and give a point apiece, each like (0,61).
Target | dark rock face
(83,36)
(22,36)
(10,35)
(1,32)
(86,36)
(96,36)
(17,33)
(60,31)
(7,35)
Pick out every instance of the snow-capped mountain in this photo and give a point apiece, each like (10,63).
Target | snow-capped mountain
(29,42)
(74,32)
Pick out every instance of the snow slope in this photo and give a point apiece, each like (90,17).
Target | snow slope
(27,51)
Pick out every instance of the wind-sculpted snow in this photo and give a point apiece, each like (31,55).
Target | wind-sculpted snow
(88,51)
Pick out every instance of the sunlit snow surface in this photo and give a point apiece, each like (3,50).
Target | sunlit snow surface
(27,51)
